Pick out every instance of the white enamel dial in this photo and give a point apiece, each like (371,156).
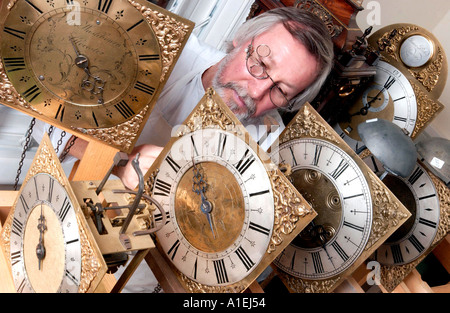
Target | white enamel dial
(390,97)
(416,51)
(418,194)
(337,189)
(225,245)
(44,217)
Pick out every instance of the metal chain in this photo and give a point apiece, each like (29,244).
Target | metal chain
(24,151)
(67,149)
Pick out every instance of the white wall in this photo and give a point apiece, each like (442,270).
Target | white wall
(433,15)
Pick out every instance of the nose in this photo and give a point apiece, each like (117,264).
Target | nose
(259,88)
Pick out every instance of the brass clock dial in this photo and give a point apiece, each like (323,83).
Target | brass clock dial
(46,239)
(356,211)
(91,65)
(390,97)
(222,204)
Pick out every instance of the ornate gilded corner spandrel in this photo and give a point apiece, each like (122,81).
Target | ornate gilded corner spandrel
(387,212)
(427,108)
(325,16)
(429,76)
(298,285)
(170,33)
(392,276)
(306,124)
(289,208)
(89,260)
(209,114)
(195,287)
(444,202)
(122,135)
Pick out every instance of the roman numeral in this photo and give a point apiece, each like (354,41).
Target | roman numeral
(31,93)
(134,25)
(259,228)
(340,251)
(415,242)
(21,286)
(397,254)
(163,187)
(50,190)
(221,272)
(245,162)
(294,161)
(60,113)
(149,57)
(105,6)
(64,209)
(17,227)
(356,227)
(16,257)
(95,119)
(389,82)
(159,217)
(71,277)
(426,197)
(69,2)
(15,32)
(340,169)
(14,64)
(317,155)
(173,164)
(144,88)
(245,259)
(72,241)
(194,274)
(317,262)
(415,175)
(193,146)
(124,109)
(427,222)
(33,6)
(293,260)
(259,193)
(400,119)
(173,250)
(221,144)
(24,204)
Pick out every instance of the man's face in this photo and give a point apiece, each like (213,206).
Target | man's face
(289,64)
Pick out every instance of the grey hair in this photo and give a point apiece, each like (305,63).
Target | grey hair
(305,27)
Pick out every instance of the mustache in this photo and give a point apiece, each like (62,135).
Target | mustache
(242,93)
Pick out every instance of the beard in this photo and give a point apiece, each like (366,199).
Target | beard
(244,114)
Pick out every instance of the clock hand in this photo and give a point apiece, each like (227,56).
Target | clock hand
(40,248)
(95,87)
(199,187)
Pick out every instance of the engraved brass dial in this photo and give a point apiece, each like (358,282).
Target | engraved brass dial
(95,66)
(222,245)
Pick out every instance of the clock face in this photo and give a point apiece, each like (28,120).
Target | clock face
(86,64)
(336,187)
(390,97)
(418,194)
(220,207)
(45,248)
(416,51)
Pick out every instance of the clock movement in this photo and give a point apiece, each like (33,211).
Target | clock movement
(93,68)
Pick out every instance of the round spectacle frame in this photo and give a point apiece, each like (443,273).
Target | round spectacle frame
(257,69)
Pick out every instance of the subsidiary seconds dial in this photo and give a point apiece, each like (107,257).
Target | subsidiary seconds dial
(86,64)
(337,189)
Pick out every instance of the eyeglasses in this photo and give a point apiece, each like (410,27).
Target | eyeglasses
(258,70)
